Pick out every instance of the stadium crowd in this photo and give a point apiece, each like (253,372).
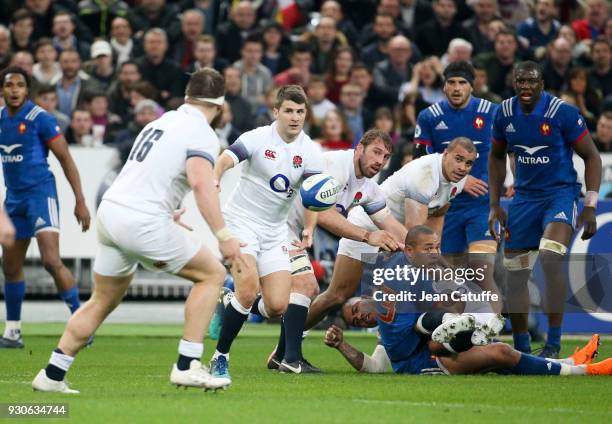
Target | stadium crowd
(105,68)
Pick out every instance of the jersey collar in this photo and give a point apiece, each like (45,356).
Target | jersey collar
(21,113)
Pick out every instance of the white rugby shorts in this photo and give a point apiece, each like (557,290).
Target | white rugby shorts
(126,237)
(356,249)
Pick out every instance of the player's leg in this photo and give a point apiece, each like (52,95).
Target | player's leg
(559,223)
(48,244)
(13,258)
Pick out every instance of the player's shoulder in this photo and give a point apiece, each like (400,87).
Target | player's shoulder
(506,108)
(426,168)
(483,106)
(37,113)
(558,109)
(338,158)
(434,111)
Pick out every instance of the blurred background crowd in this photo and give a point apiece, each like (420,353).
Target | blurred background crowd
(105,68)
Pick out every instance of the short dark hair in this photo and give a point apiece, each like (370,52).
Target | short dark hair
(601,39)
(130,62)
(252,38)
(505,32)
(44,41)
(528,65)
(301,47)
(360,66)
(294,93)
(464,142)
(15,70)
(374,134)
(206,82)
(70,50)
(45,89)
(20,15)
(415,232)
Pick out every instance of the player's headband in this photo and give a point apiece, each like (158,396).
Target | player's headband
(215,101)
(461,73)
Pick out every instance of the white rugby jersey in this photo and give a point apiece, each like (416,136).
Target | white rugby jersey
(420,180)
(272,175)
(153,179)
(356,191)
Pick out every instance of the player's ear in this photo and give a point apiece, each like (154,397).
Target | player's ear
(275,113)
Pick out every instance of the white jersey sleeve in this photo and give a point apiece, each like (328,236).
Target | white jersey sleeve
(203,143)
(244,147)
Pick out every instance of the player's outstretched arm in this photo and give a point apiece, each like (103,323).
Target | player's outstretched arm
(224,163)
(377,363)
(497,176)
(7,230)
(310,222)
(391,226)
(59,147)
(586,149)
(200,176)
(415,213)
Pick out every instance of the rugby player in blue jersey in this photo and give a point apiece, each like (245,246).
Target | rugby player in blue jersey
(543,132)
(27,133)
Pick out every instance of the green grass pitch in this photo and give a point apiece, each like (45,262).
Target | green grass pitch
(123,377)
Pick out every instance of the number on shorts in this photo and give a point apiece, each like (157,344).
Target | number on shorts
(144,145)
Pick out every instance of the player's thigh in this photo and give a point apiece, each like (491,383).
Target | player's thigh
(480,359)
(108,291)
(203,266)
(560,219)
(43,210)
(13,258)
(48,245)
(111,259)
(346,277)
(453,234)
(246,279)
(17,207)
(524,226)
(275,289)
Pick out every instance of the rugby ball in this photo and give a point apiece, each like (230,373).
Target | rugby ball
(319,192)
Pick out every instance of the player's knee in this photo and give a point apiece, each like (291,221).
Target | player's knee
(12,271)
(52,265)
(246,296)
(501,352)
(306,285)
(275,307)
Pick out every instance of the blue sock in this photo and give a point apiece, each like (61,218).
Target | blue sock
(14,292)
(522,342)
(534,365)
(71,297)
(554,336)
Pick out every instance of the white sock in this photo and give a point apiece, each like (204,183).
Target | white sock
(190,349)
(299,299)
(12,330)
(217,354)
(567,361)
(238,306)
(261,307)
(61,360)
(572,369)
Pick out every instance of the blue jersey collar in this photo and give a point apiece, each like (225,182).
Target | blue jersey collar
(540,107)
(21,113)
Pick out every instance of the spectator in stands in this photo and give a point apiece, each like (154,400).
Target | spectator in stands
(603,134)
(25,61)
(105,123)
(459,50)
(557,65)
(588,100)
(339,72)
(22,26)
(163,73)
(143,90)
(43,12)
(156,14)
(478,26)
(192,26)
(119,93)
(97,15)
(46,97)
(145,112)
(375,51)
(359,118)
(124,47)
(242,22)
(277,48)
(407,115)
(64,37)
(580,50)
(335,132)
(594,21)
(256,79)
(536,32)
(415,13)
(225,130)
(73,83)
(375,97)
(387,7)
(608,32)
(433,37)
(101,65)
(205,55)
(264,114)
(426,82)
(241,108)
(317,95)
(323,42)
(385,121)
(600,75)
(480,87)
(80,130)
(46,68)
(299,72)
(333,9)
(500,62)
(5,46)
(514,11)
(390,74)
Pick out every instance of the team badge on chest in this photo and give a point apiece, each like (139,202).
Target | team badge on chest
(22,128)
(479,123)
(297,161)
(545,129)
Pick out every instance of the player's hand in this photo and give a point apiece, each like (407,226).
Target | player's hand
(475,186)
(82,215)
(384,240)
(305,243)
(588,218)
(230,251)
(7,230)
(333,336)
(497,214)
(177,218)
(509,191)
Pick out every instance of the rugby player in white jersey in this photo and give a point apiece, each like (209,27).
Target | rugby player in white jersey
(418,190)
(136,224)
(353,169)
(278,158)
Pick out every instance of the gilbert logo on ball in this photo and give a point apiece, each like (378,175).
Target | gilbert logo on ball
(319,192)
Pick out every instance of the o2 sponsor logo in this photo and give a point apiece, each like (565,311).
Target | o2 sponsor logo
(280,184)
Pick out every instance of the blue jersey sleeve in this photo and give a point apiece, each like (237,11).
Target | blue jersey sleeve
(573,126)
(422,132)
(48,129)
(497,132)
